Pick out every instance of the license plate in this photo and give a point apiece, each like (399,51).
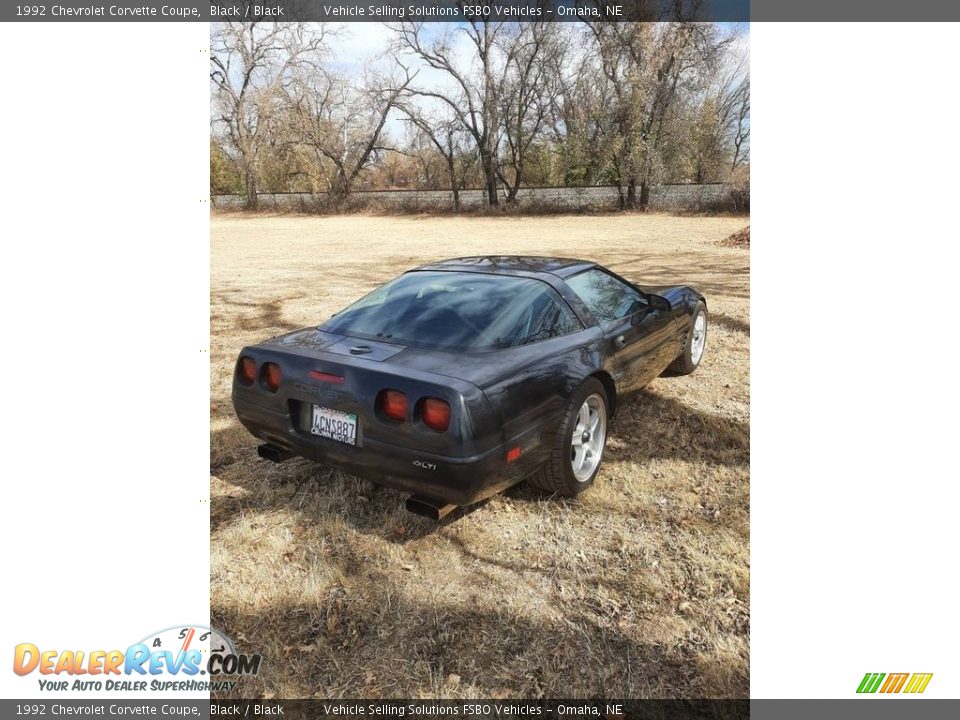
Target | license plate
(334,424)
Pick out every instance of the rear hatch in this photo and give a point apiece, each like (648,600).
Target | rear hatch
(338,382)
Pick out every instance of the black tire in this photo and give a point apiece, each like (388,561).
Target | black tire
(557,474)
(684,364)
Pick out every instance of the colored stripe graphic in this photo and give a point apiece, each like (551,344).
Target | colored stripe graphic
(894,682)
(918,682)
(870,682)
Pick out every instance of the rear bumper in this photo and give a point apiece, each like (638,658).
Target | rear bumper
(454,480)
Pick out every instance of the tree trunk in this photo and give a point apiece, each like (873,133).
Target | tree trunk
(644,194)
(250,185)
(490,178)
(340,188)
(515,188)
(631,193)
(452,173)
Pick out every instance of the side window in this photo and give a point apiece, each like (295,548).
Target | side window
(548,316)
(606,297)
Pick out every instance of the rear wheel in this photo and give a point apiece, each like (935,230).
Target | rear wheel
(696,343)
(578,444)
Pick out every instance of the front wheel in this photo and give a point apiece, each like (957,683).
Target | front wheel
(693,349)
(578,443)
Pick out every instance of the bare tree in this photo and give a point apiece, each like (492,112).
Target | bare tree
(341,123)
(473,97)
(533,53)
(498,105)
(718,122)
(250,63)
(444,135)
(432,169)
(736,108)
(579,120)
(646,66)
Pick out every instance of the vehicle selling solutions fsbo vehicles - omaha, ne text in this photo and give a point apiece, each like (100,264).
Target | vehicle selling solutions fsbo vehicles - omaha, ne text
(460,378)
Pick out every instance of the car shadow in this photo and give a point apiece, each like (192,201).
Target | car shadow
(320,495)
(669,429)
(729,323)
(386,643)
(379,628)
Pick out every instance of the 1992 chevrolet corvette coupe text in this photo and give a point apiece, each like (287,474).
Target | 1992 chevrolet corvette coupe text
(463,377)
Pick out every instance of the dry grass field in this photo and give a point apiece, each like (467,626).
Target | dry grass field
(639,588)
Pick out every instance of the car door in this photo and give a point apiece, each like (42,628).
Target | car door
(639,334)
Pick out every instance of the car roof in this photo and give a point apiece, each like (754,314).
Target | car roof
(524,265)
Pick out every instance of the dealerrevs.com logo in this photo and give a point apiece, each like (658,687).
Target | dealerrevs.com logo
(184,658)
(910,683)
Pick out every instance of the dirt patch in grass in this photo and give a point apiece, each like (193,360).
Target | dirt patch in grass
(639,588)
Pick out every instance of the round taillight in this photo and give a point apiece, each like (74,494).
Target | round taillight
(436,414)
(270,373)
(393,404)
(248,370)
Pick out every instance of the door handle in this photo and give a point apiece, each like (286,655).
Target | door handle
(619,341)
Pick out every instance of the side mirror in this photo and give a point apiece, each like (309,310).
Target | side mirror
(641,309)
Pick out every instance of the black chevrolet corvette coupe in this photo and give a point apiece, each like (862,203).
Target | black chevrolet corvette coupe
(460,378)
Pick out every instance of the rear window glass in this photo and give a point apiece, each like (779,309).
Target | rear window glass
(458,311)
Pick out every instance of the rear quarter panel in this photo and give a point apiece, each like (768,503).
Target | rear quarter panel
(533,395)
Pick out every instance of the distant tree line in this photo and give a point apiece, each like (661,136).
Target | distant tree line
(494,105)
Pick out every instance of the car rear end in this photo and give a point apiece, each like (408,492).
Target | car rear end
(342,402)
